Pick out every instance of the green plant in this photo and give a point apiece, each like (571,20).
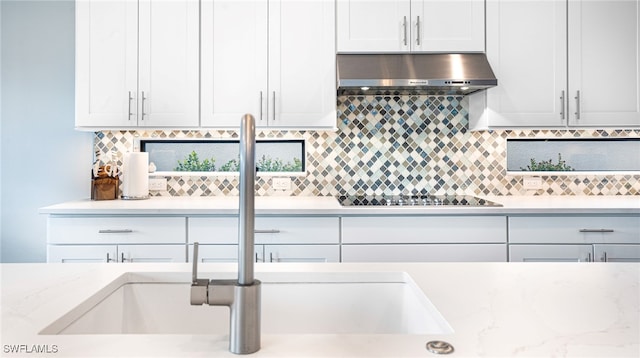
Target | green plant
(267,164)
(230,166)
(548,165)
(192,164)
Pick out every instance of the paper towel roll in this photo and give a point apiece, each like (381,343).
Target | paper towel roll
(135,182)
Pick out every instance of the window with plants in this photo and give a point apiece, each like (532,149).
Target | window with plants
(573,155)
(222,156)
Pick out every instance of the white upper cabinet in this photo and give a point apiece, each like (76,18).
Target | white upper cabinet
(168,63)
(526,47)
(274,59)
(410,25)
(106,63)
(234,66)
(137,63)
(604,63)
(561,64)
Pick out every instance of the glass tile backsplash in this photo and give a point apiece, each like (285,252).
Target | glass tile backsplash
(391,145)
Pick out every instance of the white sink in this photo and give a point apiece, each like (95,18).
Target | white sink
(294,303)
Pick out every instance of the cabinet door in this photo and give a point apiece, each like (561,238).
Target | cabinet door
(302,65)
(222,253)
(106,63)
(151,253)
(447,26)
(425,253)
(617,253)
(302,253)
(81,253)
(526,47)
(550,253)
(373,26)
(604,62)
(234,62)
(169,74)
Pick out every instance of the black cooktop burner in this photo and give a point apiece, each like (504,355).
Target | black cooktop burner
(413,200)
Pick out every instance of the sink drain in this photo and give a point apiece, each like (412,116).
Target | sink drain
(439,347)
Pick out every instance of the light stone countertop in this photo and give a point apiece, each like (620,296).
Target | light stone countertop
(495,310)
(309,205)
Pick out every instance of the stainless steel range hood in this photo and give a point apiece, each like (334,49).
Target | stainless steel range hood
(432,74)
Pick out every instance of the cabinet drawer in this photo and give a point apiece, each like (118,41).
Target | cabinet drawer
(574,229)
(431,229)
(269,230)
(115,230)
(550,253)
(425,253)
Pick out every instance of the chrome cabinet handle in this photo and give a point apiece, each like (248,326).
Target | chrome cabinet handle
(143,99)
(577,97)
(595,230)
(122,259)
(260,106)
(130,99)
(604,257)
(271,231)
(562,111)
(116,231)
(418,31)
(274,106)
(109,259)
(404,29)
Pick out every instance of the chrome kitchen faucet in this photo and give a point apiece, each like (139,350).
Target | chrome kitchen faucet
(242,296)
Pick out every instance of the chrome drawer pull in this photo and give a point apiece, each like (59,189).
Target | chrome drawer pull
(596,230)
(116,231)
(272,231)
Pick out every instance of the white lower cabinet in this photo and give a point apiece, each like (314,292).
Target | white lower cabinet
(424,239)
(278,239)
(550,253)
(209,253)
(116,239)
(425,253)
(574,238)
(302,253)
(616,253)
(116,253)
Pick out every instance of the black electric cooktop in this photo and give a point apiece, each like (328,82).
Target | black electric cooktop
(414,200)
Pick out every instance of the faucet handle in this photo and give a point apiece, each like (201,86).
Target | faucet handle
(194,270)
(199,287)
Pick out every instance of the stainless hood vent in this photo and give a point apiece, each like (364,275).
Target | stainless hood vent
(431,74)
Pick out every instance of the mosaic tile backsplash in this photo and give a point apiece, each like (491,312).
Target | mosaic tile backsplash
(393,145)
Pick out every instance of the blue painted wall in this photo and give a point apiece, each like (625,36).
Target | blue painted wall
(44,160)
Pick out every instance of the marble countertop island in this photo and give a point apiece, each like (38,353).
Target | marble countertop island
(495,310)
